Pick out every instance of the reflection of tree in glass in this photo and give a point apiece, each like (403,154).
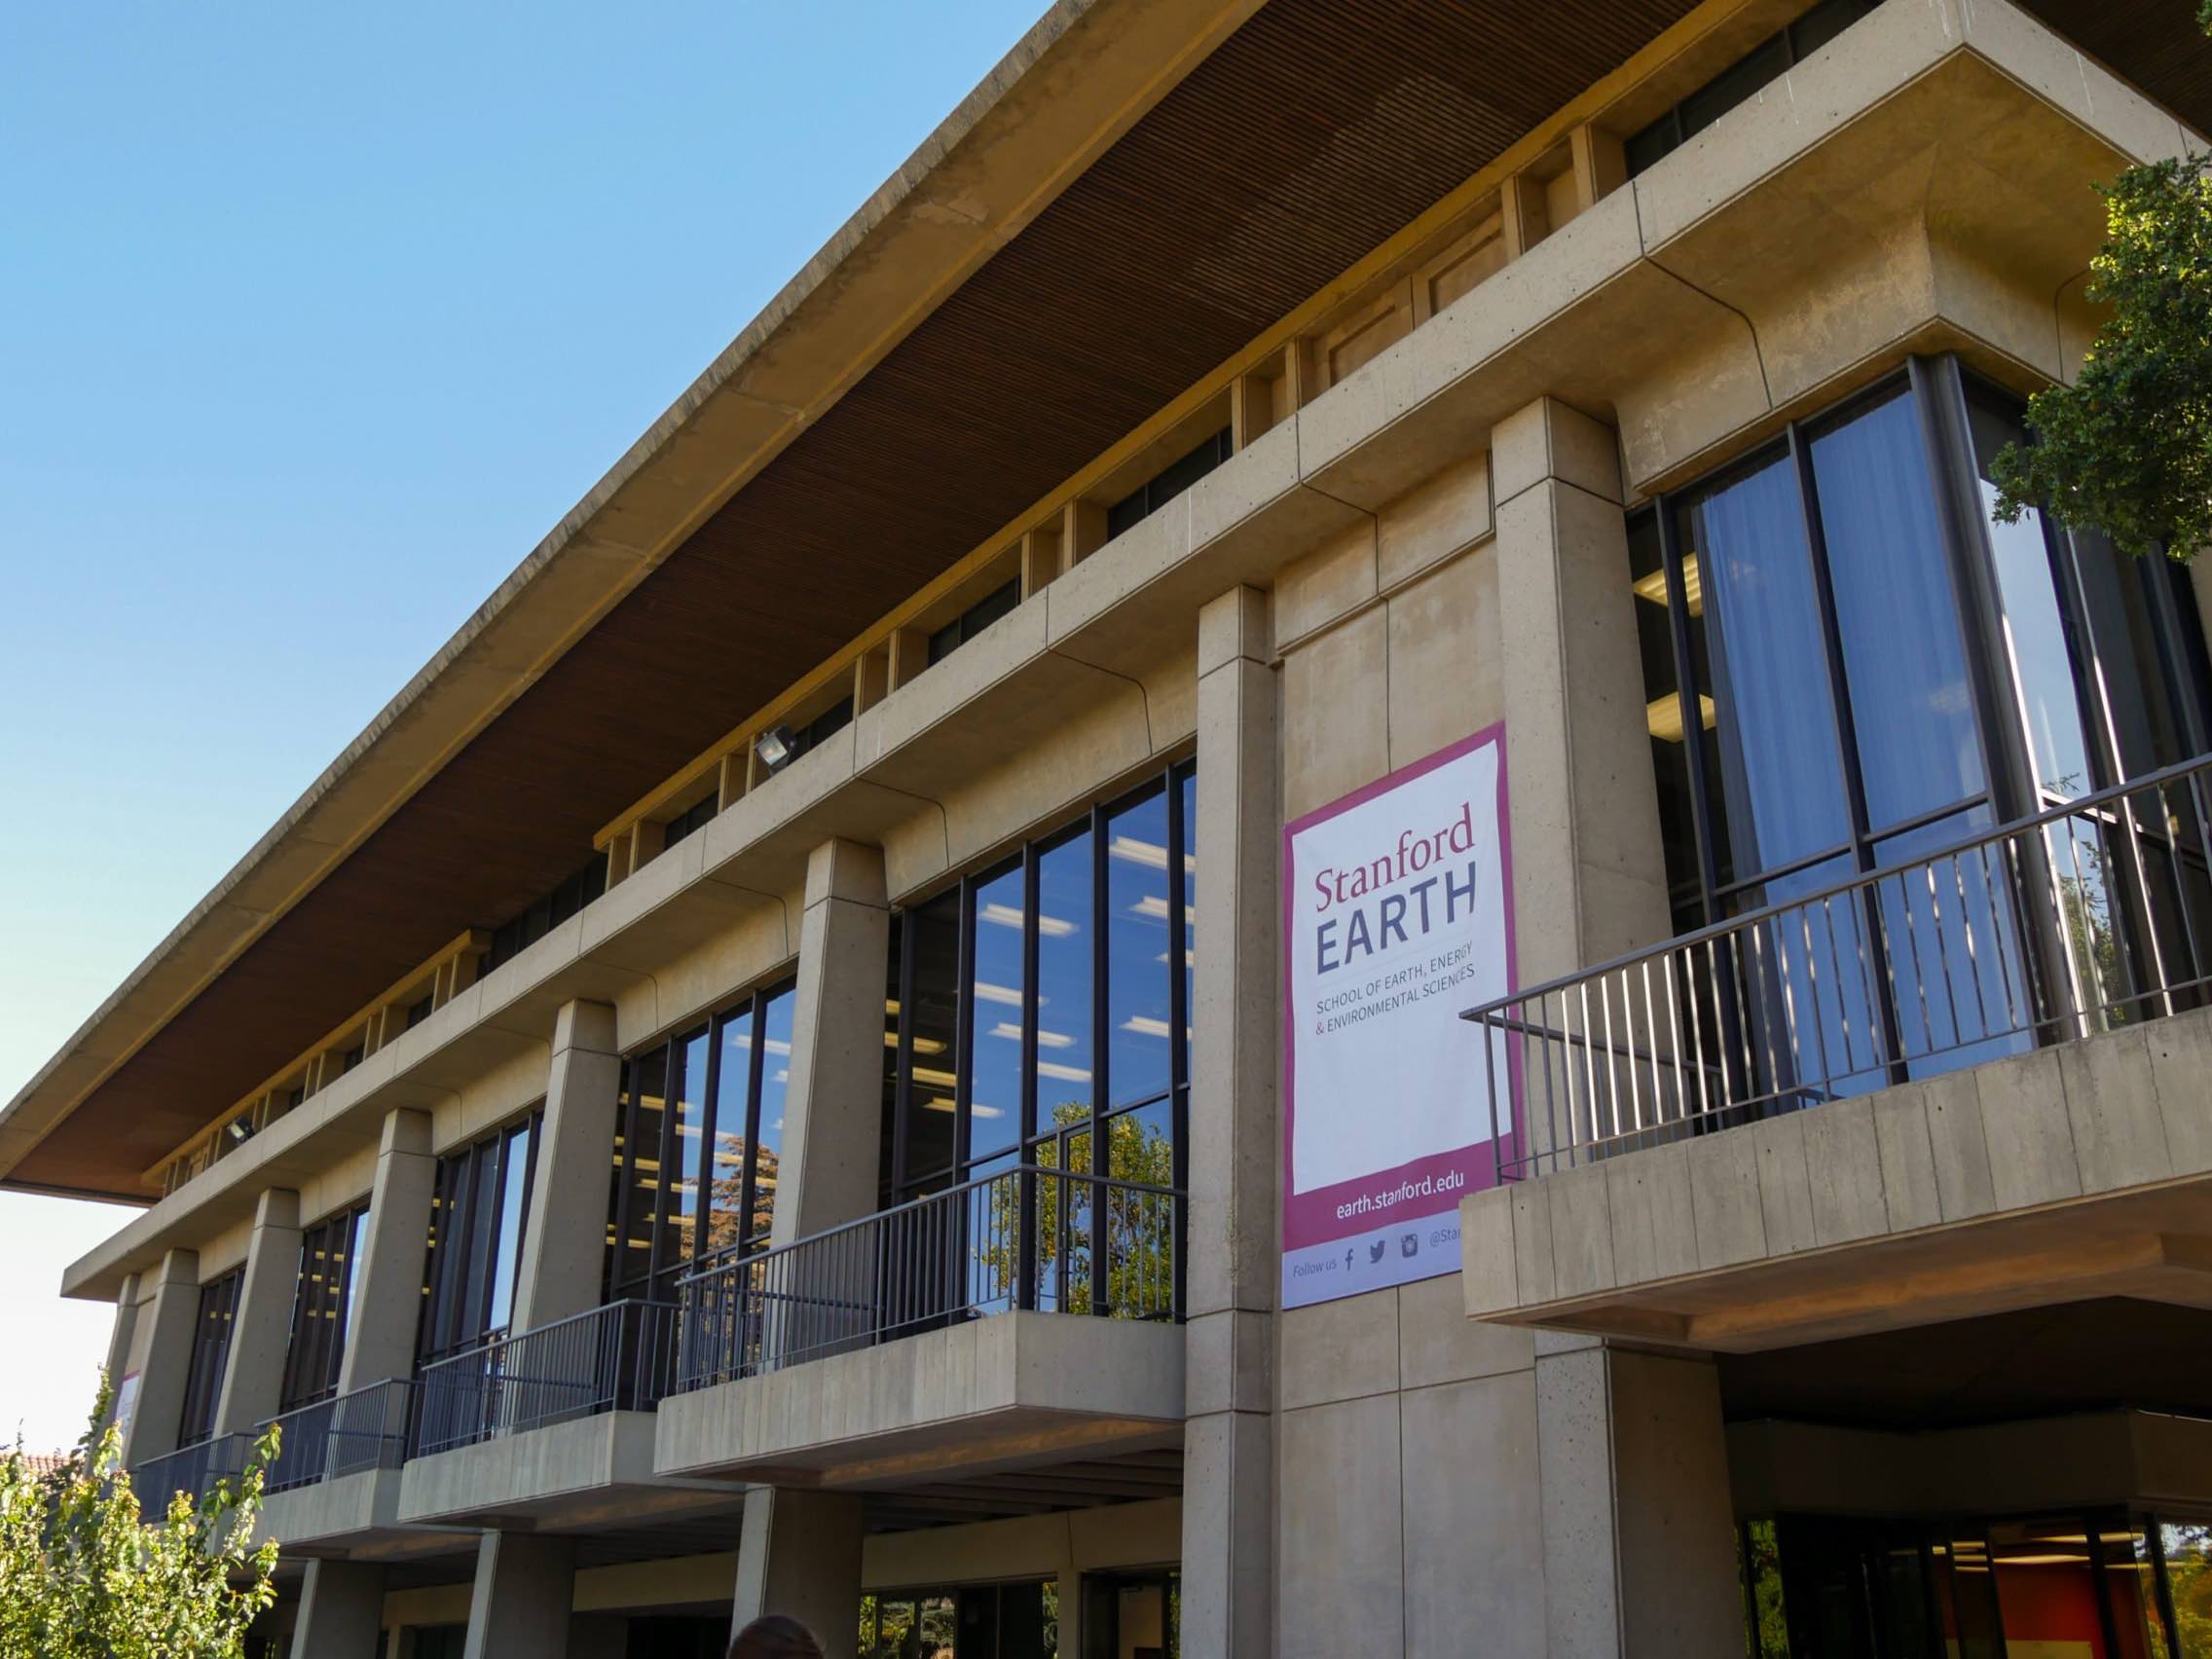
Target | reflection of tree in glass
(1762,1562)
(2086,900)
(726,1202)
(1140,1226)
(2189,1579)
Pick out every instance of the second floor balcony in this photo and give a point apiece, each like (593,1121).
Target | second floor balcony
(1029,1316)
(1974,1081)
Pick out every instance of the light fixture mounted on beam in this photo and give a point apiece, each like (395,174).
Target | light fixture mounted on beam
(776,746)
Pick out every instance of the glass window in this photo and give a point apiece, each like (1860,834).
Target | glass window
(996,1015)
(210,1357)
(1177,476)
(733,1085)
(1077,951)
(1897,619)
(322,1305)
(478,1219)
(930,1127)
(776,1014)
(1140,955)
(1781,785)
(696,1144)
(1066,944)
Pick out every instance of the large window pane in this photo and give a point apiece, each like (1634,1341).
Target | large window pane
(2129,657)
(2039,657)
(932,1016)
(996,1019)
(775,1087)
(513,1216)
(1904,660)
(1065,940)
(1139,953)
(642,1116)
(1781,767)
(687,1150)
(733,1085)
(1189,789)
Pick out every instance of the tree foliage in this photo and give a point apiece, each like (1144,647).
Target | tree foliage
(83,1575)
(2127,448)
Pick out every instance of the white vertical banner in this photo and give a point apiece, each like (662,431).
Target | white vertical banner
(1398,917)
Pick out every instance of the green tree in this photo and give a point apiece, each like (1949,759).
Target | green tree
(1139,1226)
(2127,448)
(83,1575)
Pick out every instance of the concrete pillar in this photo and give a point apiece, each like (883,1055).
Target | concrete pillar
(387,1276)
(261,1328)
(160,1359)
(119,1340)
(526,1585)
(799,1555)
(1640,1551)
(563,1251)
(1638,1541)
(1228,1440)
(341,1611)
(1589,869)
(834,1107)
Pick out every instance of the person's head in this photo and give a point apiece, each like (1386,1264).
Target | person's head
(774,1636)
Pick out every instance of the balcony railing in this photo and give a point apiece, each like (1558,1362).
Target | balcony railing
(2094,915)
(611,1358)
(1026,1238)
(194,1469)
(365,1429)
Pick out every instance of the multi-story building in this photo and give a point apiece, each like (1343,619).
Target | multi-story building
(795,1065)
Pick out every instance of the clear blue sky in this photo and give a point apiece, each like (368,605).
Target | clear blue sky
(312,320)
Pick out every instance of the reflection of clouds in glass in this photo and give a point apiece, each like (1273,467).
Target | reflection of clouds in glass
(779,1046)
(1054,1040)
(1144,1025)
(985,991)
(783,1075)
(1065,1074)
(982,1110)
(1153,906)
(1150,854)
(1008,1029)
(1010,916)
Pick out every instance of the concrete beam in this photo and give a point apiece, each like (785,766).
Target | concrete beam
(160,1360)
(564,1248)
(828,1170)
(261,1328)
(388,1278)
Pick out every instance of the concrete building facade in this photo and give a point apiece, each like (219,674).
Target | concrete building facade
(765,1080)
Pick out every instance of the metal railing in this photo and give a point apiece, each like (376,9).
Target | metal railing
(611,1358)
(1023,1237)
(193,1469)
(344,1435)
(2092,915)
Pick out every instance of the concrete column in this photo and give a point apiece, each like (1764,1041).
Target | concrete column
(1638,1546)
(341,1611)
(161,1358)
(835,1103)
(526,1585)
(120,1338)
(260,1329)
(1589,869)
(387,1276)
(1232,1292)
(799,1555)
(563,1251)
(1639,1552)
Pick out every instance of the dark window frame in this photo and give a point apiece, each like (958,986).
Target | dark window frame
(314,1354)
(469,1218)
(662,1267)
(215,1323)
(898,1182)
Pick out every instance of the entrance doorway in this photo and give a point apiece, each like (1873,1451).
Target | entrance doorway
(1132,1616)
(969,1621)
